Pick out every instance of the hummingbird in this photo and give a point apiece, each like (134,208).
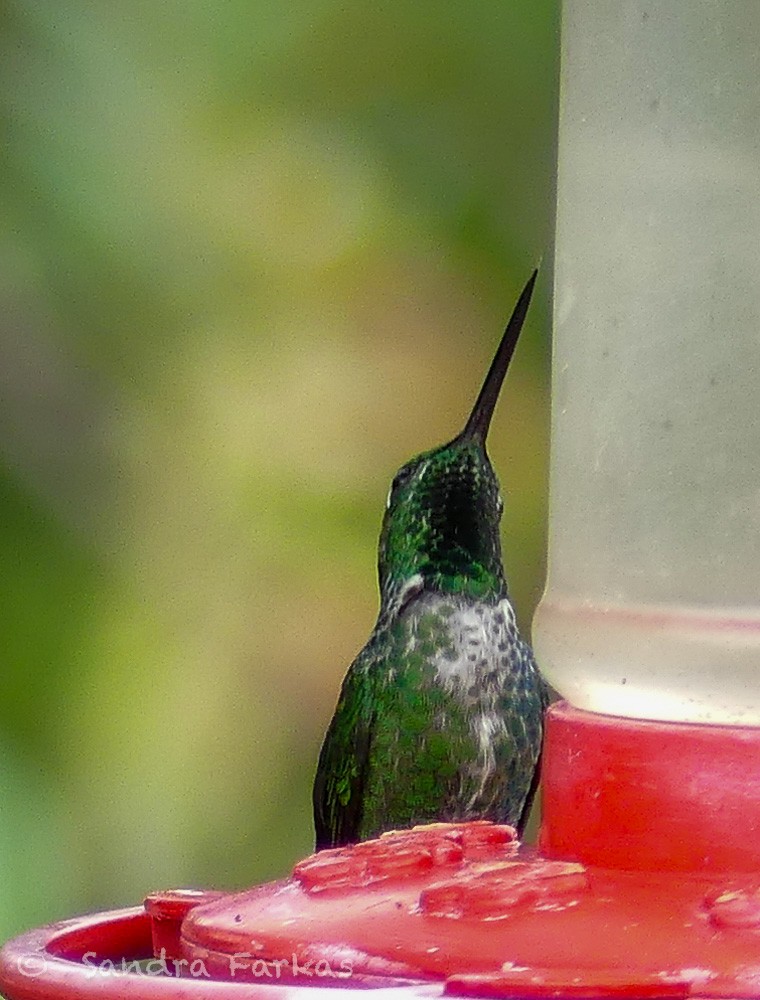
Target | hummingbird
(440,716)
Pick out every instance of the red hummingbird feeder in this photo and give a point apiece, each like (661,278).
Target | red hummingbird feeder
(645,882)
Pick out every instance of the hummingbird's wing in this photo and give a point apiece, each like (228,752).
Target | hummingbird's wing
(525,815)
(343,762)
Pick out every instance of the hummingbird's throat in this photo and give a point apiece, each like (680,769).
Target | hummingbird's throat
(442,529)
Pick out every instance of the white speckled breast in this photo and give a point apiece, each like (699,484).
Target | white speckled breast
(486,660)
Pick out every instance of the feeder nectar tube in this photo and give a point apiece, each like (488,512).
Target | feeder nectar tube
(652,607)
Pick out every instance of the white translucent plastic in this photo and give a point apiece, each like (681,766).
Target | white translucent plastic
(652,607)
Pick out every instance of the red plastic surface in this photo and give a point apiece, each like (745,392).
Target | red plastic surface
(506,923)
(167,910)
(94,958)
(647,885)
(622,793)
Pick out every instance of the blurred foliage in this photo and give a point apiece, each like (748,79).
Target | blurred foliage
(254,256)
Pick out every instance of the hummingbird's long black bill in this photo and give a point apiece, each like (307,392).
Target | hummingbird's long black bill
(479,420)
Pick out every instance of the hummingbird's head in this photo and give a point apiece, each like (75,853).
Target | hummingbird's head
(441,525)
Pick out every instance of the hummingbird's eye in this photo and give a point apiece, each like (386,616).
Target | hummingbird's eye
(403,475)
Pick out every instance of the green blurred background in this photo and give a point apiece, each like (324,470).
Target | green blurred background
(253,257)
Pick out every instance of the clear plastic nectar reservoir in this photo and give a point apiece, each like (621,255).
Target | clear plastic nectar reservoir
(652,607)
